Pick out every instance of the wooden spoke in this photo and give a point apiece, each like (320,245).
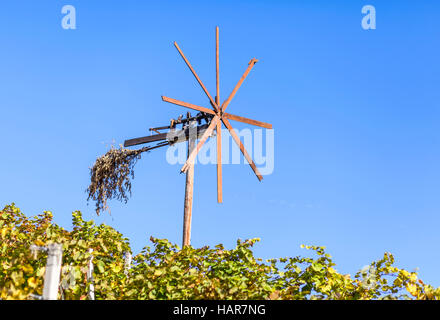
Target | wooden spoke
(219,163)
(242,149)
(238,85)
(203,138)
(217,66)
(248,121)
(187,105)
(195,75)
(219,125)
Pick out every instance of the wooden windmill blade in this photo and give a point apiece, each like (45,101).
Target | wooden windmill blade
(219,125)
(247,120)
(238,85)
(195,75)
(188,105)
(242,148)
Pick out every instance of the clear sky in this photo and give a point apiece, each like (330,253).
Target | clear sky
(355,113)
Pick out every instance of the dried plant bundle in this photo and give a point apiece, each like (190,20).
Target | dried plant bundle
(110,176)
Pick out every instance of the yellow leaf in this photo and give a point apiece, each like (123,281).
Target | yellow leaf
(412,289)
(32,282)
(4,231)
(116,269)
(405,273)
(27,268)
(17,277)
(39,243)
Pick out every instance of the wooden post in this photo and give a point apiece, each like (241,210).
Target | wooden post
(53,271)
(189,188)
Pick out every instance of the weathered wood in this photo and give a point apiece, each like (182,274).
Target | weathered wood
(195,75)
(217,66)
(247,120)
(238,85)
(205,136)
(188,105)
(189,189)
(242,149)
(219,125)
(147,139)
(219,163)
(175,136)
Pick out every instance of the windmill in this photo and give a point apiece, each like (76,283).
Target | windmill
(214,117)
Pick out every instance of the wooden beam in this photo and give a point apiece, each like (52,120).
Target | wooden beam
(238,85)
(147,139)
(195,75)
(175,136)
(242,149)
(205,136)
(219,163)
(188,105)
(189,189)
(248,121)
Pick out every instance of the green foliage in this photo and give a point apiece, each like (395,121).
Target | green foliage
(22,272)
(167,272)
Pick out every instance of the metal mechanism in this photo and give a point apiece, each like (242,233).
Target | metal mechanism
(172,136)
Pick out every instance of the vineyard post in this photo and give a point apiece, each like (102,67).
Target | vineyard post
(127,262)
(53,271)
(90,276)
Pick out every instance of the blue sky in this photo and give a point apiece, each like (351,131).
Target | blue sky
(355,113)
